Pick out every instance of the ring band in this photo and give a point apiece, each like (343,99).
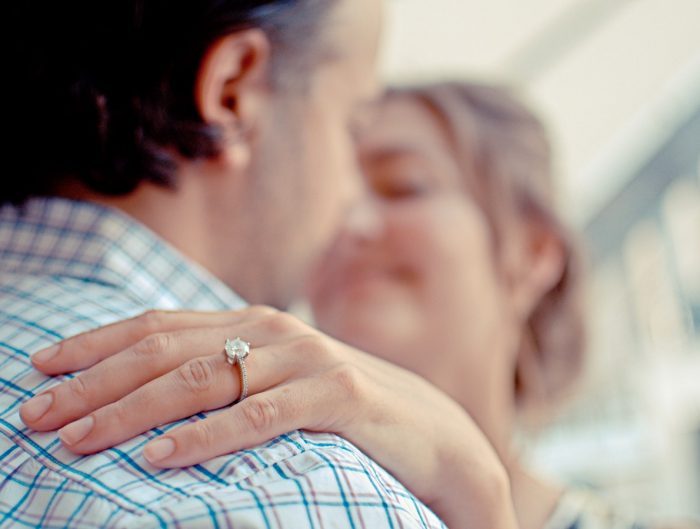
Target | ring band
(236,352)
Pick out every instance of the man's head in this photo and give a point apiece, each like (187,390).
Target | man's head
(226,126)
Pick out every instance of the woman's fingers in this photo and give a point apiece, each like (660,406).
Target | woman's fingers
(148,359)
(113,378)
(172,375)
(87,349)
(192,388)
(201,384)
(256,420)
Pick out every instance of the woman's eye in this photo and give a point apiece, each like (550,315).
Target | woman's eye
(403,187)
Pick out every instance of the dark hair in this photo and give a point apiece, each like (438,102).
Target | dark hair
(102,90)
(504,153)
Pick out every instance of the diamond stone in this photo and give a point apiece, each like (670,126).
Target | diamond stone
(236,350)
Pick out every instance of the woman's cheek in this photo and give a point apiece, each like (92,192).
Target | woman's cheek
(456,261)
(441,234)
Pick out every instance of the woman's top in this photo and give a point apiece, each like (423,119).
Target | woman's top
(581,509)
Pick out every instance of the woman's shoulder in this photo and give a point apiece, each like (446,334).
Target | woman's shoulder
(583,509)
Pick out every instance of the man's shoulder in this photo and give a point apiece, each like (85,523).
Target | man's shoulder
(300,479)
(297,480)
(36,310)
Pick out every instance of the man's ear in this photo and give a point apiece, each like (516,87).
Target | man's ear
(232,85)
(542,263)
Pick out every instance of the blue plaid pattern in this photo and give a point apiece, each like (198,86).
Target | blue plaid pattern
(66,267)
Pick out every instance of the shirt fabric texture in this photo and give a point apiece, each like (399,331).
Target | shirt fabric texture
(68,266)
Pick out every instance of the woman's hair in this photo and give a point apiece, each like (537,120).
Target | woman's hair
(102,91)
(504,153)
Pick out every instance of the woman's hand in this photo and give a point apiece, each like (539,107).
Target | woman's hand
(164,366)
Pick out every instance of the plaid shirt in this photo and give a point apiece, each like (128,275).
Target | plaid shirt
(66,267)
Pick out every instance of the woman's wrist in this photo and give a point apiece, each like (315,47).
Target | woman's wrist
(474,487)
(484,502)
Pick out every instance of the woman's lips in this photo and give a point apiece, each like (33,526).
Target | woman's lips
(367,280)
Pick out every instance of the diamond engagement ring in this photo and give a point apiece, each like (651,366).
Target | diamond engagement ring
(236,352)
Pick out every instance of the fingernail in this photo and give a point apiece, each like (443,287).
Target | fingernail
(76,431)
(159,449)
(45,355)
(35,408)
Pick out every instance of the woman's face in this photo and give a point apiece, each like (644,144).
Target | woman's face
(413,280)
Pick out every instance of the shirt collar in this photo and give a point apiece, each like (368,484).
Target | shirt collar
(83,240)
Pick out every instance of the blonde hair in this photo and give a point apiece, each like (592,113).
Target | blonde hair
(505,155)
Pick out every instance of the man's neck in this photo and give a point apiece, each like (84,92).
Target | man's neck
(172,215)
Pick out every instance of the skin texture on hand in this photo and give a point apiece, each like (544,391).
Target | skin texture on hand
(173,366)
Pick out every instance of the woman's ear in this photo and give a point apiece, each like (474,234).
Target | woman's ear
(540,267)
(232,88)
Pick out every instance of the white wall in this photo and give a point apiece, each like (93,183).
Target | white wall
(592,67)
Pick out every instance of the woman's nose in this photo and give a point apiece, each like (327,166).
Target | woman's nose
(364,220)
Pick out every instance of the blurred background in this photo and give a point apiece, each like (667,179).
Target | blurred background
(618,83)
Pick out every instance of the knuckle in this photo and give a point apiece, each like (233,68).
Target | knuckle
(281,323)
(262,311)
(155,344)
(260,413)
(117,413)
(197,375)
(78,388)
(151,321)
(85,341)
(204,435)
(313,347)
(348,379)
